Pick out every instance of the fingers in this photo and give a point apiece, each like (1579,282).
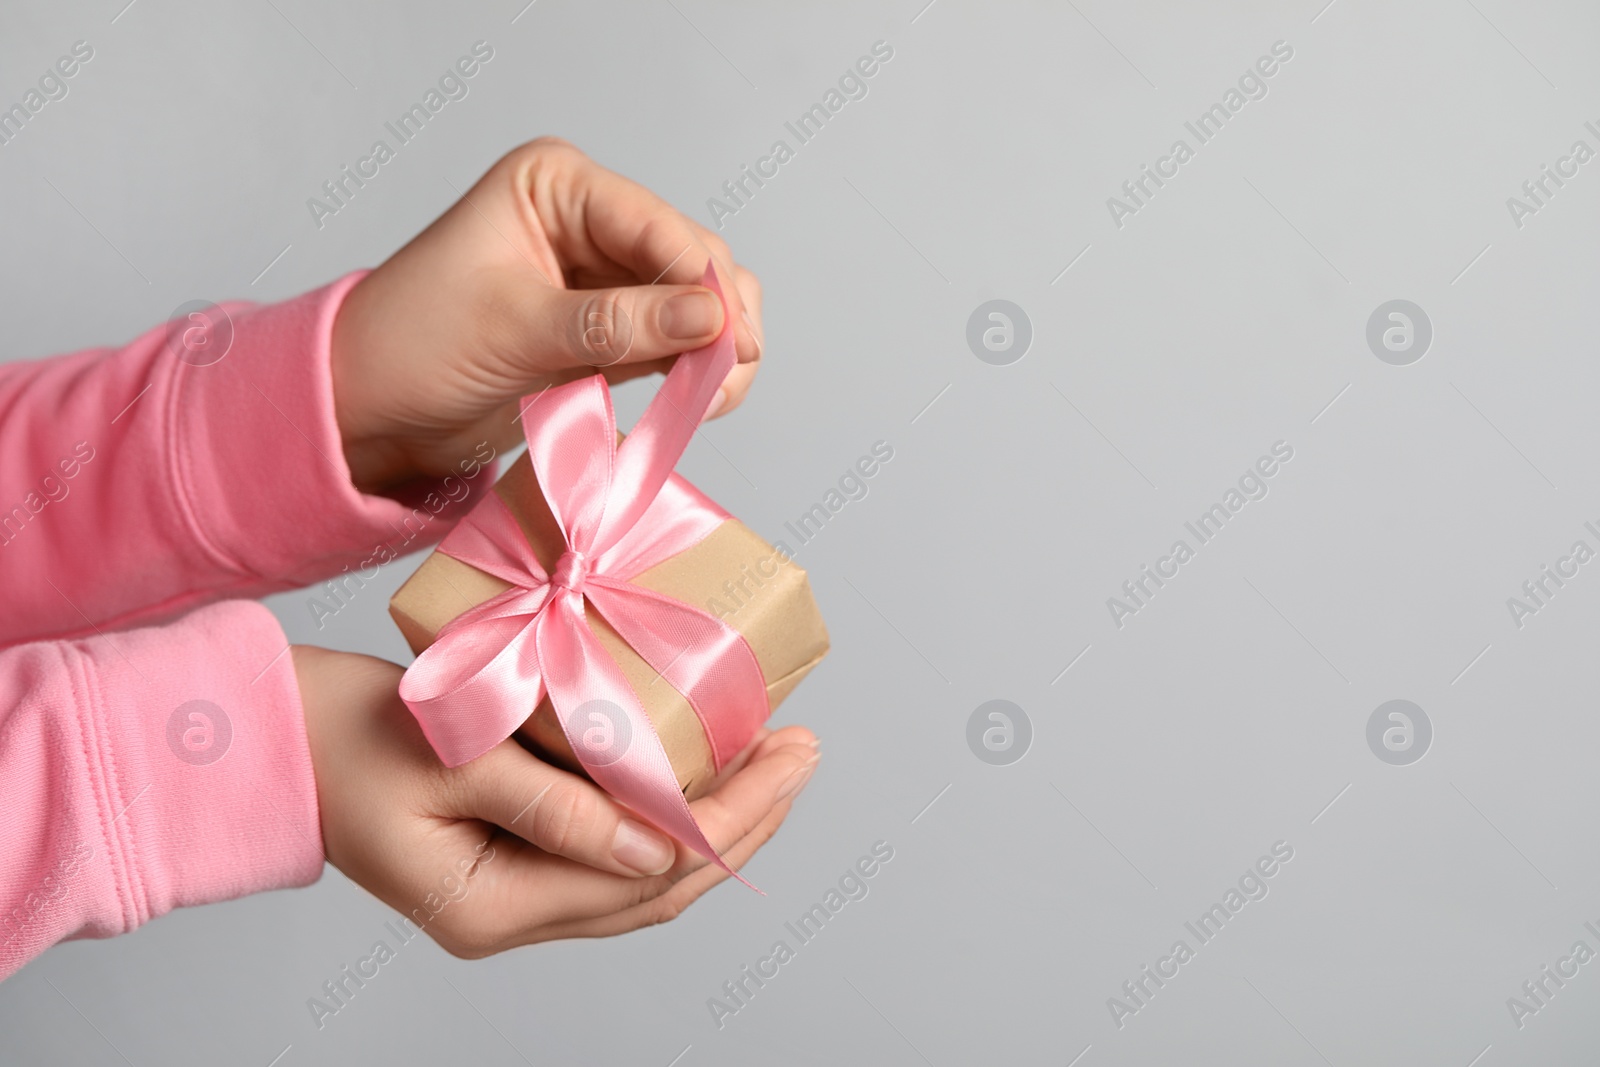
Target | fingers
(676,899)
(624,331)
(734,387)
(750,292)
(737,385)
(779,768)
(561,813)
(622,325)
(760,743)
(596,218)
(765,743)
(745,281)
(535,894)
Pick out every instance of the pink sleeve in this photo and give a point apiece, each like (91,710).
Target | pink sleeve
(135,485)
(146,770)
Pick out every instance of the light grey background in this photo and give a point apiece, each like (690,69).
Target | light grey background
(1223,317)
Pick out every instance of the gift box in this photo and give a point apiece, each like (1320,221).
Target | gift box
(733,573)
(606,611)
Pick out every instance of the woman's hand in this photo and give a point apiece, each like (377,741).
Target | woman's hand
(522,851)
(550,268)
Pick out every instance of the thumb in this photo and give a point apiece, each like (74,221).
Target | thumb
(631,324)
(559,812)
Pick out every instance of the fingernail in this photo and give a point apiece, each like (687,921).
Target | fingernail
(798,779)
(815,742)
(688,316)
(718,402)
(641,848)
(755,334)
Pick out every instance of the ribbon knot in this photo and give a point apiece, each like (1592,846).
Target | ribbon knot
(571,570)
(621,511)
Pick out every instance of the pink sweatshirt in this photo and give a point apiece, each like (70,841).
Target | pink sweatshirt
(146,765)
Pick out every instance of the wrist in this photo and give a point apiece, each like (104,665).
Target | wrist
(378,466)
(374,461)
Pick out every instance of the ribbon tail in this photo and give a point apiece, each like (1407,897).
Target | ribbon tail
(646,459)
(699,655)
(609,732)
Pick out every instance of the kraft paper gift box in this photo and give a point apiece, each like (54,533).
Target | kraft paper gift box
(732,574)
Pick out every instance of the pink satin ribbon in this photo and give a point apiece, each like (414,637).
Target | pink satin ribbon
(621,510)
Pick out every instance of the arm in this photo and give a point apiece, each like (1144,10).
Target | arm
(124,798)
(252,474)
(137,485)
(341,425)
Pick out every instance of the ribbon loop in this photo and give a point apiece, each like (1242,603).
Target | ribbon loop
(620,511)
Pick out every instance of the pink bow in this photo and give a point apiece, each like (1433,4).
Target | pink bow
(621,510)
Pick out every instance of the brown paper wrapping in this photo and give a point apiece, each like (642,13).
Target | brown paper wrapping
(732,574)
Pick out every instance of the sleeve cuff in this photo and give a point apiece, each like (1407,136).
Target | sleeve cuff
(263,481)
(197,735)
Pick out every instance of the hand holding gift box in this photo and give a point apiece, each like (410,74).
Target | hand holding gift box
(650,695)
